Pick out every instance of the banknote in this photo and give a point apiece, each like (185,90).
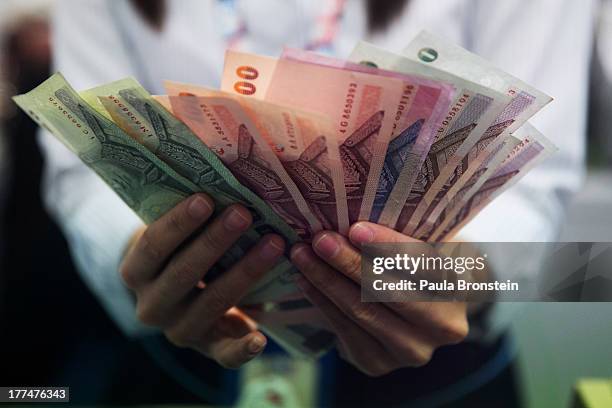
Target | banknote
(362,107)
(532,150)
(129,105)
(144,182)
(147,122)
(526,101)
(503,148)
(303,143)
(154,126)
(423,104)
(420,142)
(239,142)
(473,109)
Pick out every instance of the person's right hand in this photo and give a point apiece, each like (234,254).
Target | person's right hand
(167,260)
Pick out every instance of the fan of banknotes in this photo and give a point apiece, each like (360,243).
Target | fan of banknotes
(418,142)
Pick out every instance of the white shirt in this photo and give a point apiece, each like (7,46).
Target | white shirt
(546,43)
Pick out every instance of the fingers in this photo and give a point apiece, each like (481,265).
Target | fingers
(231,341)
(166,262)
(227,290)
(192,262)
(447,321)
(233,353)
(405,339)
(363,233)
(443,322)
(343,256)
(336,250)
(152,249)
(355,344)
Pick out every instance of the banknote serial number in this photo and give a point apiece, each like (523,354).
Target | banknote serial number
(34,394)
(402,107)
(68,115)
(130,115)
(349,102)
(214,123)
(457,107)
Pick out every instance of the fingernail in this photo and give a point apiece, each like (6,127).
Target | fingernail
(236,221)
(299,254)
(271,249)
(327,246)
(257,344)
(199,208)
(361,234)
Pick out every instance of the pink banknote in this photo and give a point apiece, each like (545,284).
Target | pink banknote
(362,107)
(228,129)
(525,102)
(423,104)
(526,154)
(472,165)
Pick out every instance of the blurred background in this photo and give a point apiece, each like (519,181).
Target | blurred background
(53,332)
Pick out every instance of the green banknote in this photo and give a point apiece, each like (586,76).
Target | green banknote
(148,185)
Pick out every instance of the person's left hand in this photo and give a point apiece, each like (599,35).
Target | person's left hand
(375,337)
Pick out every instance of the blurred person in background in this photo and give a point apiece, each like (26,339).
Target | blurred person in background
(600,113)
(4,170)
(24,59)
(96,41)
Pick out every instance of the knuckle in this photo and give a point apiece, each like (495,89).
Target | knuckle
(320,277)
(352,265)
(366,312)
(128,276)
(411,355)
(377,369)
(148,247)
(253,271)
(229,362)
(176,222)
(217,300)
(145,313)
(185,272)
(421,356)
(212,242)
(178,337)
(316,276)
(454,331)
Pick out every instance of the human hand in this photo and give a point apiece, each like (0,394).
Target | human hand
(375,337)
(164,267)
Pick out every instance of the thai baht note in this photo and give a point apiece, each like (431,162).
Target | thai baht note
(362,107)
(144,182)
(149,123)
(526,101)
(421,108)
(140,178)
(470,114)
(299,140)
(532,149)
